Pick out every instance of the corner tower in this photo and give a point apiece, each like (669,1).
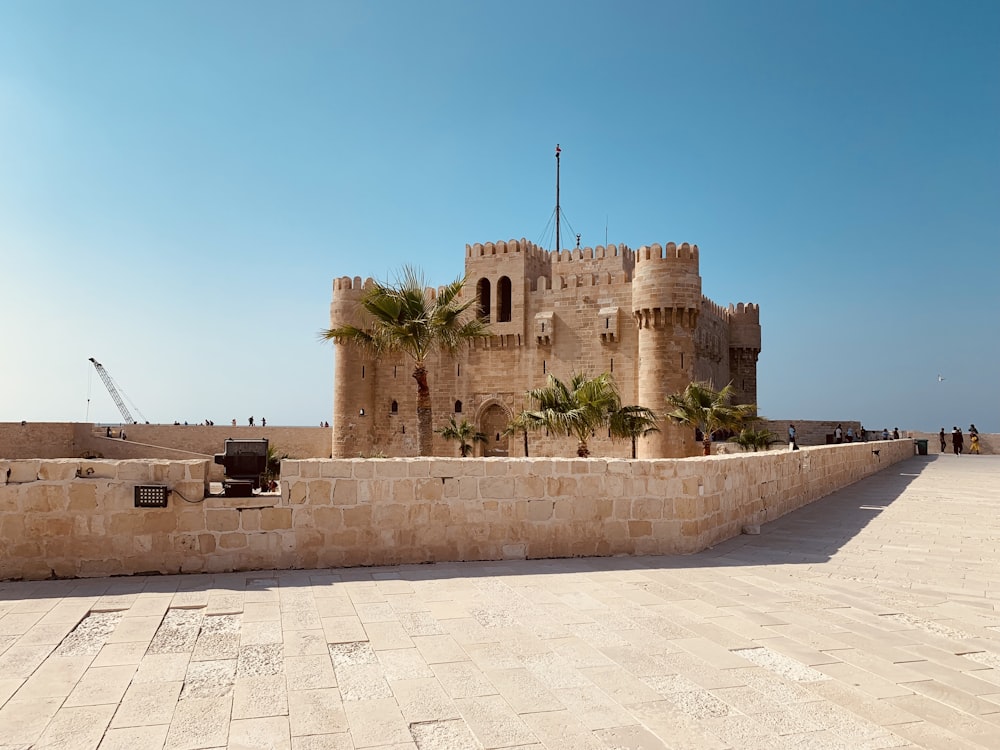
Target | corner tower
(666,299)
(744,348)
(353,374)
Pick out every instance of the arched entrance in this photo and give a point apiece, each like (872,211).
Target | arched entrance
(493,421)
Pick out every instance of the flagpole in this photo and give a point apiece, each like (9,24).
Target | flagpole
(558,246)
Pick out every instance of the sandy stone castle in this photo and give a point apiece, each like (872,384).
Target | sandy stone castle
(638,314)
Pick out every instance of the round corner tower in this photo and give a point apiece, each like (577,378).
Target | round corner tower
(666,299)
(353,375)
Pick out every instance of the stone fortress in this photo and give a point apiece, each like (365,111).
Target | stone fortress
(637,314)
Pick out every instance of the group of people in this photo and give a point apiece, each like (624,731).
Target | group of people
(958,440)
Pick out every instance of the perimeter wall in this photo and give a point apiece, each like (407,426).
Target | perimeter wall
(73,517)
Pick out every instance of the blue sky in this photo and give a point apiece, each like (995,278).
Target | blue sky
(180,182)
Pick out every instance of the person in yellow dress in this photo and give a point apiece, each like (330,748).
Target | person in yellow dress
(974,443)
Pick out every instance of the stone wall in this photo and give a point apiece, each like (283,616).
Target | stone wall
(42,439)
(175,442)
(77,517)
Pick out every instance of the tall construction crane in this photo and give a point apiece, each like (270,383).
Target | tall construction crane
(113,390)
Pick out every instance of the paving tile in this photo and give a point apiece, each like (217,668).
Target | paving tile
(316,712)
(562,730)
(252,734)
(494,723)
(376,722)
(134,738)
(102,685)
(200,723)
(55,678)
(423,700)
(255,697)
(147,704)
(340,741)
(76,728)
(23,721)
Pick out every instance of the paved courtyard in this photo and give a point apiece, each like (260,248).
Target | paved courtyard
(870,619)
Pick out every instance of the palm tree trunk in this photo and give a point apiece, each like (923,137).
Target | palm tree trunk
(706,444)
(582,450)
(525,443)
(425,426)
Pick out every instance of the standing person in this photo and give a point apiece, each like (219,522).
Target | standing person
(250,421)
(974,443)
(791,438)
(973,431)
(895,433)
(944,442)
(957,441)
(838,434)
(234,422)
(850,434)
(263,422)
(885,433)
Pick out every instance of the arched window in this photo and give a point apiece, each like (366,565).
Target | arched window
(458,407)
(483,293)
(395,407)
(503,292)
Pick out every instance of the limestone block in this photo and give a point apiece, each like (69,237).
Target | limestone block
(140,472)
(58,497)
(9,498)
(57,470)
(82,497)
(156,521)
(358,516)
(309,469)
(362,468)
(496,487)
(529,487)
(250,519)
(387,468)
(320,491)
(296,492)
(418,468)
(496,467)
(326,518)
(335,469)
(34,498)
(390,516)
(222,519)
(21,471)
(233,540)
(403,491)
(468,488)
(275,518)
(191,519)
(429,490)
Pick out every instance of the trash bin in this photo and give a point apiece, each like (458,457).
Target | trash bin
(921,447)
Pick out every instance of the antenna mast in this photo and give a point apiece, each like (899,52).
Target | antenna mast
(558,151)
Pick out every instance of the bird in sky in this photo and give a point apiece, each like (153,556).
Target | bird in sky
(940,378)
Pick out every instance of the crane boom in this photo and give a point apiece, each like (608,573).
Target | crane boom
(109,383)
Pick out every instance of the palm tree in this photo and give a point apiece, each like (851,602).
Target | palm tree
(522,423)
(576,408)
(705,409)
(753,439)
(632,422)
(465,433)
(406,318)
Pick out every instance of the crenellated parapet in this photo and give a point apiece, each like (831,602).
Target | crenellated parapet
(666,288)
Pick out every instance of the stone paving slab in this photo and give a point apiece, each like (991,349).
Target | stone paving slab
(869,619)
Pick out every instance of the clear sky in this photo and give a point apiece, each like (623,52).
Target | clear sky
(181,181)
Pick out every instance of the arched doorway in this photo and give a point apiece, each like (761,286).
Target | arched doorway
(493,422)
